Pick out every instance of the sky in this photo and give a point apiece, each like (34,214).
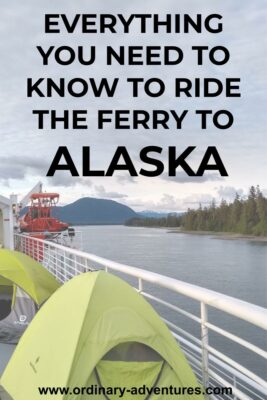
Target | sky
(26,152)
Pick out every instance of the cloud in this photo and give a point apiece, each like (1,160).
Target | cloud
(170,203)
(20,167)
(101,192)
(26,166)
(240,149)
(182,177)
(194,200)
(66,180)
(229,192)
(125,179)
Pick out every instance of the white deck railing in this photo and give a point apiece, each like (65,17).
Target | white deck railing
(212,367)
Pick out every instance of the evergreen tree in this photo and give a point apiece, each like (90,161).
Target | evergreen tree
(241,216)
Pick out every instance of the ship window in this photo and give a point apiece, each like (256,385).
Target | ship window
(34,213)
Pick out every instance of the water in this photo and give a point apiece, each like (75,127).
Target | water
(234,267)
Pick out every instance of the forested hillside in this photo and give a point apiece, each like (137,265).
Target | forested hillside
(171,220)
(245,216)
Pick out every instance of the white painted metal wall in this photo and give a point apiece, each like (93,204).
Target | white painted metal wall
(7,221)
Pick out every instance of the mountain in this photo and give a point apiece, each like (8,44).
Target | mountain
(92,211)
(152,214)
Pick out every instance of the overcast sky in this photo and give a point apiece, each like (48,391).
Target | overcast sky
(26,153)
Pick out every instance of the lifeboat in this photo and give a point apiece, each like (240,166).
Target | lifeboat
(39,220)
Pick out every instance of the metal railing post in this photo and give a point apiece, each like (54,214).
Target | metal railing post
(204,344)
(140,285)
(49,258)
(75,264)
(86,268)
(56,263)
(234,382)
(65,264)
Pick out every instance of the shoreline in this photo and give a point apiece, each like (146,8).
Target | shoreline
(221,235)
(213,235)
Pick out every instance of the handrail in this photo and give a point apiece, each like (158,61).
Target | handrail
(209,364)
(241,309)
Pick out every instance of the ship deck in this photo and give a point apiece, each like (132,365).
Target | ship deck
(212,366)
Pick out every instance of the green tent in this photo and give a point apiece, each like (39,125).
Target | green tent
(96,332)
(24,286)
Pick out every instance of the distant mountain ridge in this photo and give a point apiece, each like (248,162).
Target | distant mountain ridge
(93,211)
(156,214)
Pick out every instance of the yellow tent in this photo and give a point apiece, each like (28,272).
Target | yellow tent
(24,286)
(96,332)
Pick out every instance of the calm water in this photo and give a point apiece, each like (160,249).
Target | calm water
(236,268)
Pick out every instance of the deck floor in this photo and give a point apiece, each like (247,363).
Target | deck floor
(6,351)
